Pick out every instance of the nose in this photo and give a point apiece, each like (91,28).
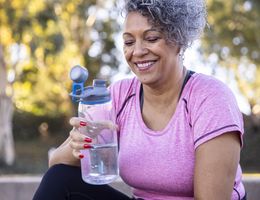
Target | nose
(139,49)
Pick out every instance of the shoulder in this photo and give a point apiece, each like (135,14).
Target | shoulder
(212,108)
(205,82)
(204,86)
(206,95)
(124,86)
(122,89)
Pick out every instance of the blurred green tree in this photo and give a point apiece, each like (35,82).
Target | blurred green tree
(40,40)
(233,38)
(233,35)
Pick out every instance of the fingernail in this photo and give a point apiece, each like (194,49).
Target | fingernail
(81,123)
(86,146)
(88,140)
(81,156)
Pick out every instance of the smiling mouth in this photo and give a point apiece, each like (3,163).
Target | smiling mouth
(142,66)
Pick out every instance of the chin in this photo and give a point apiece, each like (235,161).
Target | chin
(146,80)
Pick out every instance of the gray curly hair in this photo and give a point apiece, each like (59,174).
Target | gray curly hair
(182,21)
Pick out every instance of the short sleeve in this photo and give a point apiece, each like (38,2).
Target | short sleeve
(121,91)
(214,111)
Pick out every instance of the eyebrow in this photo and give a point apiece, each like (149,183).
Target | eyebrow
(146,31)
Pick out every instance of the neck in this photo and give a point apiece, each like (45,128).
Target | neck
(167,93)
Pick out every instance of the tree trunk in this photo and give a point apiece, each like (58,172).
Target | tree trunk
(3,73)
(7,153)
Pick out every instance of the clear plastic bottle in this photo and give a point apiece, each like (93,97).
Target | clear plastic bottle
(100,163)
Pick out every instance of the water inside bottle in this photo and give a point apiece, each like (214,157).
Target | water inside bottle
(104,165)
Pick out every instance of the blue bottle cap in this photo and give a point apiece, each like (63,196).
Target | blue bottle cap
(78,74)
(96,94)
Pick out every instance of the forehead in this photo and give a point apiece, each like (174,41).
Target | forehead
(135,20)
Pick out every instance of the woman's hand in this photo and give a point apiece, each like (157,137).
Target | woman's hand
(78,141)
(89,128)
(80,137)
(69,151)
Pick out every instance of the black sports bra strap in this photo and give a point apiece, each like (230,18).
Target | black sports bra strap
(186,79)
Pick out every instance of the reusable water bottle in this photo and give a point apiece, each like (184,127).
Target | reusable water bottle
(99,165)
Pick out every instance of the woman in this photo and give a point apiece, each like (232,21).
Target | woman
(180,132)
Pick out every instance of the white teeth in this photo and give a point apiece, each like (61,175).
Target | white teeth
(144,65)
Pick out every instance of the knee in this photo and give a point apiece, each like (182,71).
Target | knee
(54,183)
(61,173)
(56,169)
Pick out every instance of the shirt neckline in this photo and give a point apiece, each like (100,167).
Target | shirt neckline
(171,121)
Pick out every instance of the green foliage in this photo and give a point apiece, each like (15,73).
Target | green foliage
(234,36)
(55,35)
(234,24)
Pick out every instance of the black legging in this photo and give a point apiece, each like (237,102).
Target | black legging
(63,182)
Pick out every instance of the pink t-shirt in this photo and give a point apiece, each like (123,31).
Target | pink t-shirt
(159,165)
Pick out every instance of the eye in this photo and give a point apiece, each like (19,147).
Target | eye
(152,39)
(128,42)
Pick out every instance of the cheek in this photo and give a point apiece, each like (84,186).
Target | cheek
(127,53)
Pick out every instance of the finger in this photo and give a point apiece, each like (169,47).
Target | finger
(78,146)
(74,121)
(103,125)
(75,135)
(79,122)
(78,137)
(77,154)
(112,126)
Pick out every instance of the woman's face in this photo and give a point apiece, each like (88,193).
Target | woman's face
(147,52)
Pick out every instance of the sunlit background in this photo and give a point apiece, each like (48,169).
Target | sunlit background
(40,40)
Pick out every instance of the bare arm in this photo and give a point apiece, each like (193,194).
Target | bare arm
(215,167)
(63,154)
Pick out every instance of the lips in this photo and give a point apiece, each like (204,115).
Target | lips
(142,66)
